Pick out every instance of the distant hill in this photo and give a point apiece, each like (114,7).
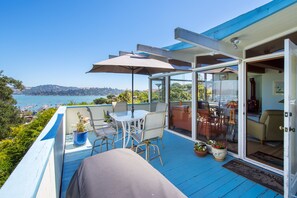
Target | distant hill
(46,90)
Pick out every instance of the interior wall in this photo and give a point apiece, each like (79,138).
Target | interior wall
(270,100)
(258,81)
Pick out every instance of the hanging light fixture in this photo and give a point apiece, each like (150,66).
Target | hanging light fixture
(235,41)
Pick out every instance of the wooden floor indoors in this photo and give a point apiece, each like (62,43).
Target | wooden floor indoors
(194,176)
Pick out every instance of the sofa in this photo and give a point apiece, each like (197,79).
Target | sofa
(267,129)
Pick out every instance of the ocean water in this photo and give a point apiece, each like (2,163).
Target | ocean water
(37,102)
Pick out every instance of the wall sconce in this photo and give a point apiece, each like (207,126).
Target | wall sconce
(235,41)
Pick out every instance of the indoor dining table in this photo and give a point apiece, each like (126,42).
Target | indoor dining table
(127,118)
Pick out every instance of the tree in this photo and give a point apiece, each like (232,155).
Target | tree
(125,97)
(100,101)
(22,137)
(111,96)
(141,96)
(180,92)
(9,113)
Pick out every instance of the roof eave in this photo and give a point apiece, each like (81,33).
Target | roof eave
(234,25)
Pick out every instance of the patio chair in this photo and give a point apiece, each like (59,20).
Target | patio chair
(161,106)
(118,107)
(104,132)
(153,129)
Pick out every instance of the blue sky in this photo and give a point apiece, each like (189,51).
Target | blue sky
(57,41)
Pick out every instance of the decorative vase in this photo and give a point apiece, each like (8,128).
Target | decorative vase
(200,153)
(80,138)
(219,154)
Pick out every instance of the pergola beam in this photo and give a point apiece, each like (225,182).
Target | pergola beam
(121,53)
(208,43)
(154,51)
(164,53)
(112,56)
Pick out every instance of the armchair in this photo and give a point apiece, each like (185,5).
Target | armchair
(161,107)
(182,117)
(267,129)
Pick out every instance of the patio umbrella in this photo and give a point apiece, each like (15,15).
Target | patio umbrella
(134,64)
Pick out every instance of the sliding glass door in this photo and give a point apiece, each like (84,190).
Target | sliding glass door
(217,101)
(265,111)
(180,104)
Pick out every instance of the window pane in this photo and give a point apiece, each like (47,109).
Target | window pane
(217,97)
(180,104)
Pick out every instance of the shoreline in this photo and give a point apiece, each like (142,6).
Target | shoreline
(38,102)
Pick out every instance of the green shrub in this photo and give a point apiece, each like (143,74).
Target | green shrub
(13,149)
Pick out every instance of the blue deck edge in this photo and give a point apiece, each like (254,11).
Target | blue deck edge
(29,172)
(53,131)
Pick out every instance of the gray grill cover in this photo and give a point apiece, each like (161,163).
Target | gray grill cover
(119,173)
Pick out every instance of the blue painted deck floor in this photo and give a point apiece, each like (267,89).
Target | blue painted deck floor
(194,176)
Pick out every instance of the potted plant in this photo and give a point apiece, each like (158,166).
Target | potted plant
(209,146)
(81,134)
(219,150)
(200,149)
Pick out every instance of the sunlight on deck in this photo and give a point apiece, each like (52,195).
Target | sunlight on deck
(194,176)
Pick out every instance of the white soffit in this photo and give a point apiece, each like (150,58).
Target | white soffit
(276,25)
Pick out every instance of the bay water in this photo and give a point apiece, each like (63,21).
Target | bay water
(36,102)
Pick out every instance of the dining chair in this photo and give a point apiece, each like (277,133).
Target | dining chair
(104,131)
(118,107)
(154,123)
(161,106)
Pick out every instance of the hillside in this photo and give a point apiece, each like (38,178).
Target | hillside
(46,90)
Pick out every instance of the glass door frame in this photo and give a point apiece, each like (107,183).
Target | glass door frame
(223,65)
(163,90)
(290,173)
(170,78)
(243,88)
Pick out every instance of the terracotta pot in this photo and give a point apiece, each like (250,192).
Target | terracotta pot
(219,154)
(200,153)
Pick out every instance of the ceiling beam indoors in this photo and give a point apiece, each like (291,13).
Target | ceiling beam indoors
(267,66)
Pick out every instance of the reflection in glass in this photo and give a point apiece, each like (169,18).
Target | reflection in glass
(180,104)
(158,90)
(217,97)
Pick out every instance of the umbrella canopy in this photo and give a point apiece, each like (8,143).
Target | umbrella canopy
(134,64)
(126,63)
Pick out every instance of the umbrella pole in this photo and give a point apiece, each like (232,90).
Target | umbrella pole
(132,92)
